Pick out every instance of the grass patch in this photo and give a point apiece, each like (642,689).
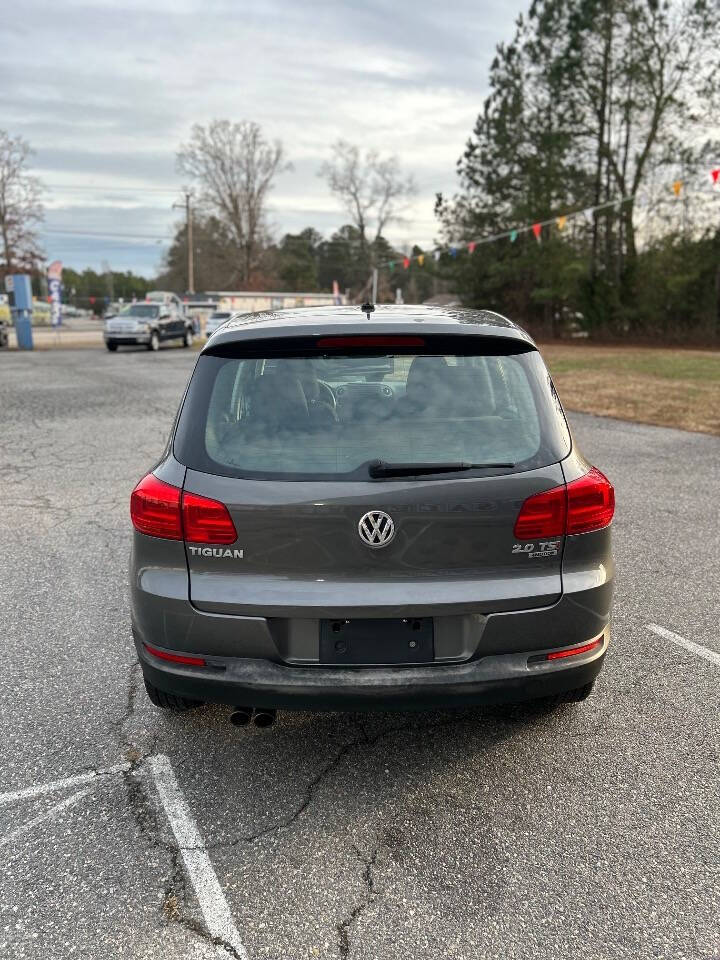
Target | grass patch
(659,385)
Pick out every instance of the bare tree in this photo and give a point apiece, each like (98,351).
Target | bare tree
(373,191)
(234,167)
(20,207)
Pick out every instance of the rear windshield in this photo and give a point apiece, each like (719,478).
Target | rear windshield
(306,417)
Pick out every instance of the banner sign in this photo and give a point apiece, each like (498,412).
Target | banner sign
(54,276)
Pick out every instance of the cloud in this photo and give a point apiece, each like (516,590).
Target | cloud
(112,88)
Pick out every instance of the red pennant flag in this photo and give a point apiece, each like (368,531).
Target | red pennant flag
(537,230)
(471,247)
(715,174)
(92,299)
(406,263)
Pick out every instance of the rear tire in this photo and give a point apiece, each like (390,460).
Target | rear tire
(170,701)
(154,341)
(111,345)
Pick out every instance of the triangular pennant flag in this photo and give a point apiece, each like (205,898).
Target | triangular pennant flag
(677,187)
(421,259)
(513,236)
(471,247)
(453,251)
(561,221)
(391,264)
(537,230)
(715,174)
(406,263)
(436,254)
(589,215)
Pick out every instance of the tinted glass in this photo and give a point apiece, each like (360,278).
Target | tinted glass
(306,417)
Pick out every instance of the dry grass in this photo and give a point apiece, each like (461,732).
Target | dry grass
(660,385)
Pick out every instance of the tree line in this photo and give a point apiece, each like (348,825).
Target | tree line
(592,101)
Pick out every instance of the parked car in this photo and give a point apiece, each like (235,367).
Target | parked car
(215,320)
(366,513)
(148,324)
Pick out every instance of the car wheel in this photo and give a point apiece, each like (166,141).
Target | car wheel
(111,345)
(154,341)
(170,701)
(188,338)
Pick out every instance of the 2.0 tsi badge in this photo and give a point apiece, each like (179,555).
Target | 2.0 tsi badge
(376,528)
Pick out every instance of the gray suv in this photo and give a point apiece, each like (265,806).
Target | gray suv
(370,510)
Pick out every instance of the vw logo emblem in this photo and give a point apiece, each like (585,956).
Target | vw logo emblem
(376,528)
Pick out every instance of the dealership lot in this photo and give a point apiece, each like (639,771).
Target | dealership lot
(590,832)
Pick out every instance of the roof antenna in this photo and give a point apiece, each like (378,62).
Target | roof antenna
(367,308)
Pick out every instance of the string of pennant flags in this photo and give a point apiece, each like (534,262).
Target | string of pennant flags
(560,222)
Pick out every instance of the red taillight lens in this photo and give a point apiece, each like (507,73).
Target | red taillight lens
(542,515)
(206,521)
(175,657)
(574,651)
(585,504)
(591,502)
(155,509)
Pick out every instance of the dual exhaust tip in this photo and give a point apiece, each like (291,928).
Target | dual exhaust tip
(261,716)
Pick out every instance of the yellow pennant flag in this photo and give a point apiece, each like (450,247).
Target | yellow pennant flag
(421,259)
(561,221)
(677,187)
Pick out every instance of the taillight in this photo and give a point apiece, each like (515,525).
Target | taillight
(574,651)
(158,509)
(206,521)
(585,504)
(542,515)
(591,502)
(155,509)
(371,341)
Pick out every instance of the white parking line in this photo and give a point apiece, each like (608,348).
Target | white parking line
(48,815)
(28,793)
(690,645)
(214,906)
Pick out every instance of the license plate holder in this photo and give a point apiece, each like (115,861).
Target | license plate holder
(365,642)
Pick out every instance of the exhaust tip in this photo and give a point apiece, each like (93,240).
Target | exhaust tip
(265,718)
(241,716)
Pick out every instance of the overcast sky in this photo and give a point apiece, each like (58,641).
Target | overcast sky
(106,90)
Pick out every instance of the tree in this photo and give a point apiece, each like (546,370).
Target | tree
(371,190)
(20,207)
(234,167)
(297,261)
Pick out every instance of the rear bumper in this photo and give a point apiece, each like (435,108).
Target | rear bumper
(128,338)
(264,683)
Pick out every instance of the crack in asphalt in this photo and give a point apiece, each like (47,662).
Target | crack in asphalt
(310,790)
(368,878)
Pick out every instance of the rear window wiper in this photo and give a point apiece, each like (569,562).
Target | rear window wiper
(380,468)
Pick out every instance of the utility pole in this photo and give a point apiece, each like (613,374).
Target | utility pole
(189,238)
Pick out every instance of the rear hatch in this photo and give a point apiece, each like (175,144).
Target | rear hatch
(438,440)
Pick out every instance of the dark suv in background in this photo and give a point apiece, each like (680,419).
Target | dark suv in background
(370,511)
(148,324)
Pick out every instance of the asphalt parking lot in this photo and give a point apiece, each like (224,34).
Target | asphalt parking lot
(591,831)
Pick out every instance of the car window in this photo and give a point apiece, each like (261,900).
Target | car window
(305,417)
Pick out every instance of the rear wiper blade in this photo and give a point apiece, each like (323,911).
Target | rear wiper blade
(380,468)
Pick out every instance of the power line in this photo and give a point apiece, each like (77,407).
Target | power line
(108,234)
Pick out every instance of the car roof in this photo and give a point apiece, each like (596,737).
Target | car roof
(313,321)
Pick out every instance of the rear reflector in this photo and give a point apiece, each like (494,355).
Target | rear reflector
(206,521)
(574,651)
(155,509)
(158,509)
(372,341)
(175,657)
(585,504)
